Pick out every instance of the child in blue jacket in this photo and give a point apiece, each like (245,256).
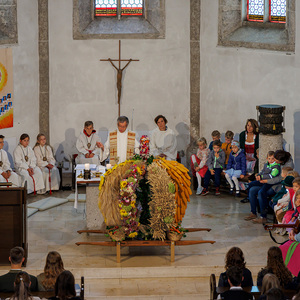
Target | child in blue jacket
(236,167)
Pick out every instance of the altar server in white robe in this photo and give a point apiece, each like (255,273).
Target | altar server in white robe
(163,140)
(25,164)
(46,162)
(89,145)
(6,173)
(121,144)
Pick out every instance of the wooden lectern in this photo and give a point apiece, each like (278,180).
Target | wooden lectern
(13,221)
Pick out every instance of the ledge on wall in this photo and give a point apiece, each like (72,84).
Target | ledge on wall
(85,26)
(233,32)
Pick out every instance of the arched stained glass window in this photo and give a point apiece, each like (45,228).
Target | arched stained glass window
(256,10)
(112,8)
(278,11)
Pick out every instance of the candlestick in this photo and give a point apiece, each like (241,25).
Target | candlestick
(108,166)
(86,166)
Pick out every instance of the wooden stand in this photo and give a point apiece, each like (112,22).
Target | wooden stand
(142,243)
(13,218)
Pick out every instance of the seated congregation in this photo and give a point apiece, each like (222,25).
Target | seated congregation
(54,283)
(274,187)
(275,281)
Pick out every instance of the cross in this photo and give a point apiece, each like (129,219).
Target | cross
(119,73)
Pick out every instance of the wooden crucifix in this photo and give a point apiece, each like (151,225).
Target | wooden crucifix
(119,73)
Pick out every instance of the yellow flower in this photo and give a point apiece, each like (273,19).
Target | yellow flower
(139,170)
(101,183)
(123,184)
(107,172)
(114,167)
(132,235)
(105,220)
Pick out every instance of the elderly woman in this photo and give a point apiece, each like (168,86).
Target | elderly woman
(163,140)
(249,142)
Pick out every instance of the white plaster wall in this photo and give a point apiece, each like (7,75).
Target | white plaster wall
(234,81)
(26,77)
(83,88)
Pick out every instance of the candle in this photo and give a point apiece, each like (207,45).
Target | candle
(86,166)
(108,166)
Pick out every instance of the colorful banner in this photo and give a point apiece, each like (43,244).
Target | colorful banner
(6,88)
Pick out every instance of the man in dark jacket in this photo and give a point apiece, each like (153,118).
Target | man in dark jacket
(16,259)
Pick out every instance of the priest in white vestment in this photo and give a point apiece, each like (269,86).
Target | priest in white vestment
(25,164)
(163,140)
(89,145)
(6,173)
(121,144)
(46,162)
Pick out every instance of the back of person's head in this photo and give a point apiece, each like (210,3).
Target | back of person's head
(235,275)
(276,264)
(22,287)
(235,257)
(53,267)
(65,285)
(269,281)
(275,294)
(16,255)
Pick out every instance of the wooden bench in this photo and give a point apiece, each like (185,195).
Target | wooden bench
(254,290)
(143,243)
(45,294)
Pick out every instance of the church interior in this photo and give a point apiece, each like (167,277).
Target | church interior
(201,63)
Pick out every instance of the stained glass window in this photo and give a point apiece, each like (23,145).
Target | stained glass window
(278,11)
(131,7)
(105,8)
(256,10)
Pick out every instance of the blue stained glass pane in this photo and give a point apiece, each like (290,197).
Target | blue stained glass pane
(278,8)
(256,7)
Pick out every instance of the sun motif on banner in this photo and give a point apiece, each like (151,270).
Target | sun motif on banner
(3,77)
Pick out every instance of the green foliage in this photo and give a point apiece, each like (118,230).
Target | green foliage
(172,188)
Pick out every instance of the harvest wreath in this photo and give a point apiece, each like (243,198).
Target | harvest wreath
(144,198)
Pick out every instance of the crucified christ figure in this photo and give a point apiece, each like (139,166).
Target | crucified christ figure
(119,77)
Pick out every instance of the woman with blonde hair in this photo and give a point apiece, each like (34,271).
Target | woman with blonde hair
(270,281)
(22,288)
(54,266)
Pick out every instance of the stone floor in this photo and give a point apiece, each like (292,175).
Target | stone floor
(146,272)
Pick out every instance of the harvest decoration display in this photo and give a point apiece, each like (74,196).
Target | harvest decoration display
(144,198)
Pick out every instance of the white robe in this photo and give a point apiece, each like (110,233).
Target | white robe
(121,146)
(22,166)
(82,147)
(46,151)
(14,177)
(163,142)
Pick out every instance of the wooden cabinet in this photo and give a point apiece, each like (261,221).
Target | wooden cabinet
(13,221)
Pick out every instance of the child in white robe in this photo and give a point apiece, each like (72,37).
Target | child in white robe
(89,145)
(6,173)
(46,162)
(25,164)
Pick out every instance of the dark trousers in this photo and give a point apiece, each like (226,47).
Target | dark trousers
(217,177)
(258,195)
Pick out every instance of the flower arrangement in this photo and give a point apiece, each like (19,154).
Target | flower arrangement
(144,147)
